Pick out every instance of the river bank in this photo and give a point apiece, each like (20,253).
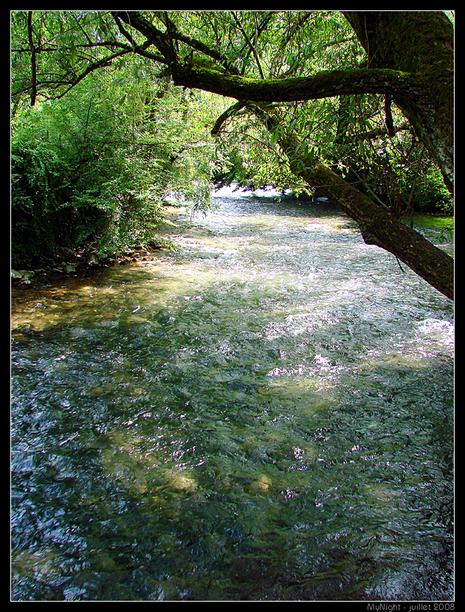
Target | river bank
(84,264)
(437,228)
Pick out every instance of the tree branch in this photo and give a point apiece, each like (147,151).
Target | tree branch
(388,115)
(229,112)
(377,224)
(322,85)
(123,30)
(161,40)
(109,43)
(248,41)
(87,37)
(259,29)
(105,61)
(33,59)
(380,132)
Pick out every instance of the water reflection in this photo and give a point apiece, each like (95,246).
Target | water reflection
(263,414)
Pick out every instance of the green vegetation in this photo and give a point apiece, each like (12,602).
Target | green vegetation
(90,172)
(433,222)
(439,228)
(113,113)
(266,414)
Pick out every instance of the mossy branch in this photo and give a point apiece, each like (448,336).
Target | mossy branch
(322,85)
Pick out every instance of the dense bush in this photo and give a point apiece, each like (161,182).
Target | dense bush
(430,194)
(90,171)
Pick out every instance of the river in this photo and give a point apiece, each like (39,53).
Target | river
(265,413)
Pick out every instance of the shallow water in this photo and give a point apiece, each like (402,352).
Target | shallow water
(265,414)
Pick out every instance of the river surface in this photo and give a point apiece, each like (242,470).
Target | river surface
(264,414)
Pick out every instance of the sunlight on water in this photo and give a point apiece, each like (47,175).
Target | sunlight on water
(263,414)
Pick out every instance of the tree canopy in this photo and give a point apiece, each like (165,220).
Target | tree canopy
(309,99)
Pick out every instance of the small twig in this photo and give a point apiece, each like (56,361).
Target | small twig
(105,61)
(252,48)
(401,268)
(81,28)
(33,59)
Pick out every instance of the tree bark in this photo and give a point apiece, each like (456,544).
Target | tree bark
(323,85)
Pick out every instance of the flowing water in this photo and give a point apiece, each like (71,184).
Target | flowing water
(264,414)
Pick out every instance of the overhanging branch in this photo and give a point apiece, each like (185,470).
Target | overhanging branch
(322,85)
(377,225)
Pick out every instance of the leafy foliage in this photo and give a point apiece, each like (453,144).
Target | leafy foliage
(395,169)
(248,157)
(94,168)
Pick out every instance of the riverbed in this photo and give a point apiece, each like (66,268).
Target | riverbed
(265,413)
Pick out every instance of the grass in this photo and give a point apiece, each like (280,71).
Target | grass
(440,228)
(432,221)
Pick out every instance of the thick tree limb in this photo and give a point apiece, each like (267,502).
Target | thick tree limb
(377,225)
(410,57)
(322,85)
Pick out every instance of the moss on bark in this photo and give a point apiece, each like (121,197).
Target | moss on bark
(322,85)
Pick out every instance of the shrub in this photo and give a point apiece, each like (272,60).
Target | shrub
(91,170)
